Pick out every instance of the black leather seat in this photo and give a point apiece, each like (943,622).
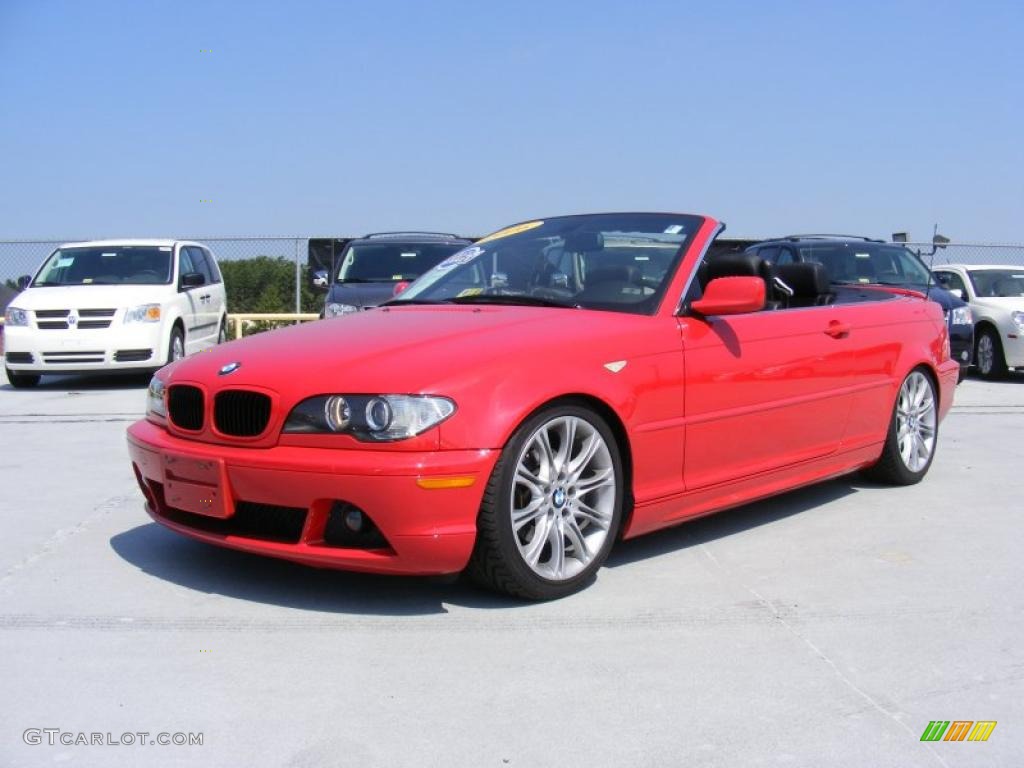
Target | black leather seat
(739,265)
(809,282)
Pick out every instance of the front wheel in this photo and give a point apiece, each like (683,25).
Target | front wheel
(176,346)
(988,355)
(552,506)
(913,433)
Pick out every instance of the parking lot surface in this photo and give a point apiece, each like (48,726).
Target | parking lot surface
(826,626)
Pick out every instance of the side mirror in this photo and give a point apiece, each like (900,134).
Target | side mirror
(956,292)
(192,280)
(23,282)
(731,296)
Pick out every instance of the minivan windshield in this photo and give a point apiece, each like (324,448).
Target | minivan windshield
(391,262)
(107,265)
(621,262)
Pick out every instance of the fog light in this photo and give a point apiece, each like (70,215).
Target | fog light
(354,520)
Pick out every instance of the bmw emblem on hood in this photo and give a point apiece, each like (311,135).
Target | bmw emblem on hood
(229,368)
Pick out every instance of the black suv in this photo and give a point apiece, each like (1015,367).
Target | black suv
(370,268)
(861,261)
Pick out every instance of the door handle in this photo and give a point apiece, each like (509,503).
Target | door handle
(837,329)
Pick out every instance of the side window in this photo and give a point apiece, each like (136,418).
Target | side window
(769,253)
(212,264)
(185,264)
(786,256)
(202,267)
(952,281)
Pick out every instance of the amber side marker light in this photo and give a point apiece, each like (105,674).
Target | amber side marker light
(434,483)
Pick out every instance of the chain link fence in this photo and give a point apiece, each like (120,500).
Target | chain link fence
(972,253)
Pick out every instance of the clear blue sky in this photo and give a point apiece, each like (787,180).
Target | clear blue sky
(339,117)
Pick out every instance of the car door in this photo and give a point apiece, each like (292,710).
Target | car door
(218,295)
(191,302)
(208,318)
(763,390)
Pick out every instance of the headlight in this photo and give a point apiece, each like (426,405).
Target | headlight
(156,405)
(961,316)
(337,310)
(369,417)
(1018,319)
(144,313)
(14,316)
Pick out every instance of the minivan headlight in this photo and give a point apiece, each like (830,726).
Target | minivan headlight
(156,404)
(144,313)
(372,418)
(14,316)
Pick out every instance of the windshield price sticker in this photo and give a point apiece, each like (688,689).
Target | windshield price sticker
(464,256)
(509,231)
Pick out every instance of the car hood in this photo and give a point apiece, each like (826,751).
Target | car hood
(362,295)
(417,349)
(90,296)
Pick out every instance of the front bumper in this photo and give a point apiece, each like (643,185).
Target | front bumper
(135,346)
(1013,348)
(427,531)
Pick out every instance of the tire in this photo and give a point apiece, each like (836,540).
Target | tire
(21,380)
(988,355)
(571,498)
(176,345)
(913,433)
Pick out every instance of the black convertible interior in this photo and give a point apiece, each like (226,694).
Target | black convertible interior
(787,286)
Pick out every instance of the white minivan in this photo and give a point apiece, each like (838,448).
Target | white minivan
(114,305)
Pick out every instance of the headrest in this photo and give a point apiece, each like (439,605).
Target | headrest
(807,278)
(735,265)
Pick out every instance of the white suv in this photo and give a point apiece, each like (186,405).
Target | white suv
(114,305)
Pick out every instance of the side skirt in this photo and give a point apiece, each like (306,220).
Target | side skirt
(666,512)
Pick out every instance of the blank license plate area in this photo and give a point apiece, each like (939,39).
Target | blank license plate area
(196,486)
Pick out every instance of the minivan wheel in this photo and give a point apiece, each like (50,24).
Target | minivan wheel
(552,506)
(176,346)
(21,380)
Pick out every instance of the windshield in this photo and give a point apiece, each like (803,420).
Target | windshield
(863,262)
(616,261)
(997,283)
(391,262)
(107,265)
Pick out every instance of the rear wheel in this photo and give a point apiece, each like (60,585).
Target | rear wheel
(988,354)
(913,433)
(21,380)
(552,506)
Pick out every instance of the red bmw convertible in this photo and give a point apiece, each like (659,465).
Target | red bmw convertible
(540,394)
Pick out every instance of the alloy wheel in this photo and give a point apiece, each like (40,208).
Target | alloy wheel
(563,497)
(986,354)
(916,421)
